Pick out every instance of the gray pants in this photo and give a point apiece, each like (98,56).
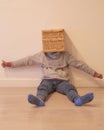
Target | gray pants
(48,86)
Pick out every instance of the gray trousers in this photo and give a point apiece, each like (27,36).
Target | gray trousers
(48,86)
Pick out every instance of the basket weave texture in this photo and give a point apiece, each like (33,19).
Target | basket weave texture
(53,40)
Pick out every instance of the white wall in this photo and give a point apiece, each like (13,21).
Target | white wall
(21,22)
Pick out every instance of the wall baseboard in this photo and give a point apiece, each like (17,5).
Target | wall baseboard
(36,82)
(19,82)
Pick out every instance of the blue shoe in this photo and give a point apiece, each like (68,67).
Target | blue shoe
(35,100)
(84,99)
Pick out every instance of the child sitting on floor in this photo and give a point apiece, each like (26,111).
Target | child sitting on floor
(55,76)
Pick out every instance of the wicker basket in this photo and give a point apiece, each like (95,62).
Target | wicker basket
(53,40)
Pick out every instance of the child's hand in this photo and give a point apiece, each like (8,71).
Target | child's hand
(97,75)
(5,64)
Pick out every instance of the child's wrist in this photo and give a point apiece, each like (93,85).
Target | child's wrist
(95,74)
(8,64)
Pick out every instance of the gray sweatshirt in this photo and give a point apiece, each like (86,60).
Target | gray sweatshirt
(54,65)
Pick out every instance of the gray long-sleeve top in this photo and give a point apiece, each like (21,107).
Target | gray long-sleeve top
(56,67)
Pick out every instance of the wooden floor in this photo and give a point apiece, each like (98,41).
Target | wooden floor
(58,113)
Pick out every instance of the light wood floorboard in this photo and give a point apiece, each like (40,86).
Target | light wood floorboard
(57,114)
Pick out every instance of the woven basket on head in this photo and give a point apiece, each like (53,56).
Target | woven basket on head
(53,40)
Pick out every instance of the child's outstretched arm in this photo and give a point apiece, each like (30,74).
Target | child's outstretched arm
(83,66)
(26,61)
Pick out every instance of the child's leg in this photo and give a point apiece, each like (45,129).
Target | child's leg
(43,90)
(72,94)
